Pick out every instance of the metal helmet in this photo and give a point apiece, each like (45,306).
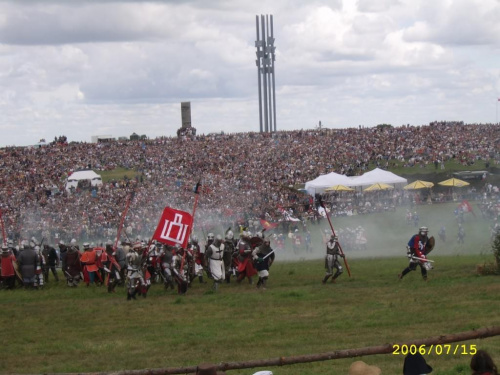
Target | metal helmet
(423,231)
(86,245)
(259,234)
(218,239)
(194,239)
(210,237)
(229,235)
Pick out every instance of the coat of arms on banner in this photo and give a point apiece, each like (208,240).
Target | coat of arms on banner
(174,227)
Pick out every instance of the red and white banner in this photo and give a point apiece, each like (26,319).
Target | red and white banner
(174,227)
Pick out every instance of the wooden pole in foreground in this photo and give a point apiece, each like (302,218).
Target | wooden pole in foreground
(285,361)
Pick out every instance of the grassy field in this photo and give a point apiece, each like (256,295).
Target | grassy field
(87,330)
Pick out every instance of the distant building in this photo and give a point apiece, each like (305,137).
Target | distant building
(101,138)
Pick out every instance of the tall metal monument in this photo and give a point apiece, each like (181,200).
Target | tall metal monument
(265,72)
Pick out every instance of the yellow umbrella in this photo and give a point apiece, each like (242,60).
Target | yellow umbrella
(339,188)
(419,184)
(454,182)
(378,186)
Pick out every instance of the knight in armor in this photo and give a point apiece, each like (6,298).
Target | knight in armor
(418,247)
(180,269)
(198,259)
(111,266)
(73,265)
(41,263)
(263,256)
(135,277)
(215,255)
(244,260)
(165,259)
(229,251)
(28,261)
(333,252)
(51,262)
(121,259)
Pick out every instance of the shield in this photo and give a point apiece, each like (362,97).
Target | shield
(379,186)
(430,245)
(453,182)
(419,184)
(339,188)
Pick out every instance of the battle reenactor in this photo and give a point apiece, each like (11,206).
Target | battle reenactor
(73,265)
(244,259)
(333,252)
(180,269)
(8,271)
(214,255)
(165,259)
(417,249)
(229,251)
(135,277)
(263,256)
(51,261)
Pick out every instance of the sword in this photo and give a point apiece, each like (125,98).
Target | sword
(422,259)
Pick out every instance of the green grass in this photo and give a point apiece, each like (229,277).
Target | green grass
(59,329)
(118,174)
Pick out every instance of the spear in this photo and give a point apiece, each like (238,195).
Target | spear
(333,231)
(196,197)
(124,213)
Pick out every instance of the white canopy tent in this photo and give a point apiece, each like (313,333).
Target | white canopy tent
(89,175)
(381,176)
(319,184)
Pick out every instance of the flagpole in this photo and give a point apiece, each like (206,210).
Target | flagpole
(120,227)
(196,196)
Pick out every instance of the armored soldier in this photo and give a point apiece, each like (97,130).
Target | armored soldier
(229,249)
(180,269)
(28,261)
(165,259)
(51,261)
(135,277)
(263,256)
(198,259)
(244,260)
(215,255)
(73,266)
(333,252)
(8,271)
(417,249)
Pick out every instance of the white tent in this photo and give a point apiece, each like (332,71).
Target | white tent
(89,175)
(319,184)
(378,175)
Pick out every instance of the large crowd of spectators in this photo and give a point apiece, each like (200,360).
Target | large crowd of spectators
(243,175)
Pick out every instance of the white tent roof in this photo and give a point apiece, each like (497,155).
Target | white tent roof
(378,175)
(90,175)
(319,184)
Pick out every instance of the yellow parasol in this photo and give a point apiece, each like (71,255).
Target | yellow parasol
(453,182)
(378,186)
(339,188)
(419,184)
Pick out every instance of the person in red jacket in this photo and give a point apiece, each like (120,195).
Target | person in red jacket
(8,271)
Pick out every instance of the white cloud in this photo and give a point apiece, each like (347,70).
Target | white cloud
(117,67)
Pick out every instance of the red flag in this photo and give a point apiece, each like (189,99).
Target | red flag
(174,227)
(266,224)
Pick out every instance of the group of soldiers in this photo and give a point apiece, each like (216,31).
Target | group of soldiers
(136,265)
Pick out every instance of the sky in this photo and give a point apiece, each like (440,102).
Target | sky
(86,68)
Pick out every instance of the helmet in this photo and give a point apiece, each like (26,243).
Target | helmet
(259,234)
(229,235)
(267,241)
(86,245)
(210,237)
(194,239)
(423,230)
